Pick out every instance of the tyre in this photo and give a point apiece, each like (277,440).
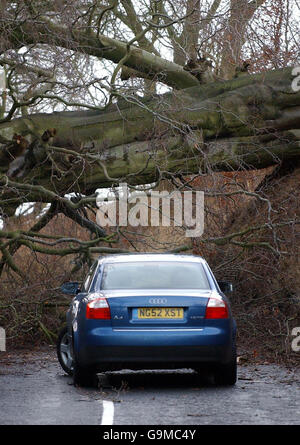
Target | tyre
(227,374)
(84,377)
(64,351)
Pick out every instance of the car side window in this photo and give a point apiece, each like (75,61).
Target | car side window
(89,277)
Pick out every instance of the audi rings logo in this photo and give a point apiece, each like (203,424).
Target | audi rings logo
(158,301)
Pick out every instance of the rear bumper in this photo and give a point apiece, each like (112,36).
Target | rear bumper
(106,349)
(114,358)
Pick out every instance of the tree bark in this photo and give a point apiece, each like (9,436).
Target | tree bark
(248,122)
(241,13)
(149,65)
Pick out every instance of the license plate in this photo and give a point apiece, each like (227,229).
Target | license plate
(160,312)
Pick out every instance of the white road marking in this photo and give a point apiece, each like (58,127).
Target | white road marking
(108,413)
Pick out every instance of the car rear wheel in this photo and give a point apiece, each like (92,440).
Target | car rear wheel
(83,376)
(227,374)
(64,352)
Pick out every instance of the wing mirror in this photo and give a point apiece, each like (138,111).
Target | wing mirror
(70,288)
(225,286)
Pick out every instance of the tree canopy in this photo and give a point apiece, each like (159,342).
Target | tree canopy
(97,93)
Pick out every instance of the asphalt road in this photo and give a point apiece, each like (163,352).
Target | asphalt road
(35,391)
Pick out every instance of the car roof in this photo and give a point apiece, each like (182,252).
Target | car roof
(133,257)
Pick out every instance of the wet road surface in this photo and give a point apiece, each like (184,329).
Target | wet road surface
(35,391)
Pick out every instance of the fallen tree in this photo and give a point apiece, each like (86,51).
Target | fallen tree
(204,124)
(252,121)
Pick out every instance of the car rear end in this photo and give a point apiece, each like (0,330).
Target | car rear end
(154,328)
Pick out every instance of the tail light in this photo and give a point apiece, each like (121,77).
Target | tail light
(216,309)
(98,309)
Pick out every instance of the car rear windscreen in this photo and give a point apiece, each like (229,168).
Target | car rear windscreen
(154,275)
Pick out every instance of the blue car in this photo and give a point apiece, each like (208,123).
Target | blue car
(148,311)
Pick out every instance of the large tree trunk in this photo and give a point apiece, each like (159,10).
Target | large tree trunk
(241,13)
(249,122)
(139,61)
